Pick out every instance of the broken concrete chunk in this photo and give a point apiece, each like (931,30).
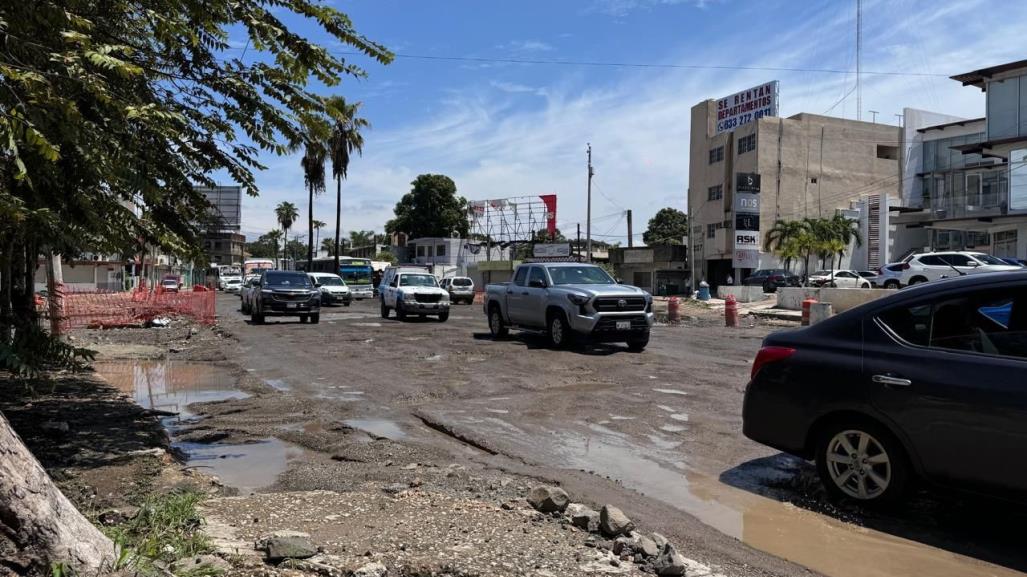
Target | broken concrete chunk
(548,499)
(614,522)
(669,562)
(583,517)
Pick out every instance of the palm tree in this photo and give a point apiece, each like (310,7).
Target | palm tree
(785,239)
(344,141)
(845,232)
(318,225)
(328,245)
(287,214)
(275,236)
(313,163)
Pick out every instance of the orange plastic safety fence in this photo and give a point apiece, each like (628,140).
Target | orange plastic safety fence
(102,309)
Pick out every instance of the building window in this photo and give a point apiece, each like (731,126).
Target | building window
(715,192)
(747,144)
(440,250)
(420,250)
(716,154)
(887,152)
(711,230)
(1003,108)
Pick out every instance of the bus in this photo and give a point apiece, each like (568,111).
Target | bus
(357,272)
(255,265)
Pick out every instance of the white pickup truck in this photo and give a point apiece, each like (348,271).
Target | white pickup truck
(569,300)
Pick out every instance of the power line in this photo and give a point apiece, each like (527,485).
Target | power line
(611,64)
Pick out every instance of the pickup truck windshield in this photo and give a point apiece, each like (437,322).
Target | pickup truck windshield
(579,275)
(287,280)
(417,280)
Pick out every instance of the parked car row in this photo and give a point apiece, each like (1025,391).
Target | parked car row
(930,266)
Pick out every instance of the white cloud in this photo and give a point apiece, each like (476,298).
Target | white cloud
(619,8)
(639,123)
(526,46)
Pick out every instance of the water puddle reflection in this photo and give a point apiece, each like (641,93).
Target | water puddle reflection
(817,541)
(378,427)
(173,386)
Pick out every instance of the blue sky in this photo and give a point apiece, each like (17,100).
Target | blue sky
(515,129)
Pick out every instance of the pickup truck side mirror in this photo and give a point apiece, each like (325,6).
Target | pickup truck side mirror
(618,280)
(974,264)
(537,283)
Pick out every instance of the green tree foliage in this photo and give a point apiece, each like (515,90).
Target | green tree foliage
(313,163)
(430,209)
(361,238)
(825,238)
(266,246)
(345,139)
(668,226)
(112,113)
(386,257)
(328,245)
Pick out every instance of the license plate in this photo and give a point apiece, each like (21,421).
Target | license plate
(293,305)
(623,325)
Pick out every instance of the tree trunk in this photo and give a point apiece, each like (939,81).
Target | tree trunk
(39,519)
(310,229)
(338,220)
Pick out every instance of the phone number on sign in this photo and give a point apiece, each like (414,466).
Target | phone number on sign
(736,121)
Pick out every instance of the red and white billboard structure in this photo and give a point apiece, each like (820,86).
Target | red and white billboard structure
(516,219)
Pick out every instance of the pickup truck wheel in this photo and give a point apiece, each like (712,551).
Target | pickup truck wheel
(303,319)
(255,318)
(315,318)
(400,313)
(639,344)
(443,317)
(385,310)
(496,325)
(560,335)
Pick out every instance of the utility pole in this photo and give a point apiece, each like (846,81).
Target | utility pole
(577,247)
(630,242)
(899,116)
(859,59)
(875,113)
(588,214)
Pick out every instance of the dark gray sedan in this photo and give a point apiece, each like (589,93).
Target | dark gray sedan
(929,383)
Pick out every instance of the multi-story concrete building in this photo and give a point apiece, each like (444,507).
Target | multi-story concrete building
(967,178)
(222,241)
(807,165)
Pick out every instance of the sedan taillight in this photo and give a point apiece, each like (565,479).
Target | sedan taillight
(769,355)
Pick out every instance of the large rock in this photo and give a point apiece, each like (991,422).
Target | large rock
(660,541)
(286,545)
(646,546)
(548,499)
(583,517)
(614,522)
(669,562)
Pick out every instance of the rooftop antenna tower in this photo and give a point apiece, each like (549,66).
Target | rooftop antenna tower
(859,55)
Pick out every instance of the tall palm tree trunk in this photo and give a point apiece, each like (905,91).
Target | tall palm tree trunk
(338,219)
(310,229)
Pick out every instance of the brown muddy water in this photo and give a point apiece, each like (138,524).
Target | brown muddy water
(658,469)
(175,386)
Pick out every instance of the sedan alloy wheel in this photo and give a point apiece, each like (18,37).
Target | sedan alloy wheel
(858,464)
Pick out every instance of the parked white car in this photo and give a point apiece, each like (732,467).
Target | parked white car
(460,288)
(333,288)
(231,284)
(412,291)
(930,266)
(840,279)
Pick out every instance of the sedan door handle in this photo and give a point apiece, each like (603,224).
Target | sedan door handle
(891,381)
(524,294)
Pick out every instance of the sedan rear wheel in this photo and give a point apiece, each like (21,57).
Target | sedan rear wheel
(862,461)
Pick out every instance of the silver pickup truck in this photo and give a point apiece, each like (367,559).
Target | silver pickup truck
(570,300)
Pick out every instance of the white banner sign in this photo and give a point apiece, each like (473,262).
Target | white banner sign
(747,249)
(552,250)
(746,106)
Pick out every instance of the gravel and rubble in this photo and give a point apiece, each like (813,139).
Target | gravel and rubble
(419,531)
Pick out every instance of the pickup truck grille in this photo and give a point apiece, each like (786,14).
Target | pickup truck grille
(427,298)
(609,325)
(613,304)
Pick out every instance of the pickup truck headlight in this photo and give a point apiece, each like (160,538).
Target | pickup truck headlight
(577,299)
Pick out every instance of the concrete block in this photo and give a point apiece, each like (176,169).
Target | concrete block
(743,294)
(819,312)
(841,299)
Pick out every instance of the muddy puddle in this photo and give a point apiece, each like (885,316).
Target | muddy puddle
(173,386)
(655,468)
(378,427)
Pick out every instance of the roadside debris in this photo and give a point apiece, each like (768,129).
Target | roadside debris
(548,499)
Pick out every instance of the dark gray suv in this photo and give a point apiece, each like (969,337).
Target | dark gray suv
(285,293)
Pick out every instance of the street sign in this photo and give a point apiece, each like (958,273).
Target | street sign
(747,182)
(745,258)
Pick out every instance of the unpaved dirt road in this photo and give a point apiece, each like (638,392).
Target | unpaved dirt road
(658,433)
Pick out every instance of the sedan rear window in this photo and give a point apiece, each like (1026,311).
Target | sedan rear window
(462,282)
(991,322)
